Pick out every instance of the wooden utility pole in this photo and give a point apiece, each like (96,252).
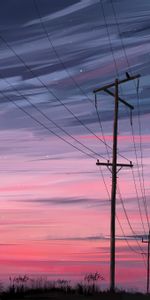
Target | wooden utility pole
(148,260)
(114,165)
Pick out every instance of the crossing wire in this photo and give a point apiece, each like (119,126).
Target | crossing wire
(136,155)
(121,199)
(56,52)
(38,120)
(68,73)
(142,171)
(64,67)
(49,119)
(45,126)
(53,94)
(61,60)
(44,28)
(46,87)
(133,175)
(139,114)
(101,126)
(128,220)
(118,220)
(115,65)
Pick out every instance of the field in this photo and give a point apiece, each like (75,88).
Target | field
(42,289)
(70,296)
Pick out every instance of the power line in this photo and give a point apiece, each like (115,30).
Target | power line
(139,118)
(133,175)
(142,168)
(63,65)
(46,127)
(77,85)
(40,123)
(53,122)
(53,94)
(101,127)
(121,227)
(56,52)
(128,220)
(121,40)
(132,129)
(116,68)
(123,207)
(115,64)
(109,38)
(139,206)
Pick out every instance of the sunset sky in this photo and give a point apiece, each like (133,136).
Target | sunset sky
(55,208)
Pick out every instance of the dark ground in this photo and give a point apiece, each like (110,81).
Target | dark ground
(64,296)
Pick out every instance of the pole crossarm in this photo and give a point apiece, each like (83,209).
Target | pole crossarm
(144,241)
(120,99)
(105,87)
(109,164)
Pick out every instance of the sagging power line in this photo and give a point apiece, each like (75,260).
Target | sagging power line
(129,71)
(114,166)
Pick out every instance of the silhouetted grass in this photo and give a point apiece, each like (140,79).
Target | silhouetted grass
(23,287)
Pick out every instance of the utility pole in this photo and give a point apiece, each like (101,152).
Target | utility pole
(113,167)
(148,259)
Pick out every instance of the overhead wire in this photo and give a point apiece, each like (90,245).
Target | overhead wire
(106,146)
(133,175)
(142,168)
(115,64)
(101,127)
(134,180)
(50,91)
(44,28)
(118,220)
(47,88)
(56,52)
(68,73)
(40,123)
(139,117)
(45,126)
(128,220)
(49,119)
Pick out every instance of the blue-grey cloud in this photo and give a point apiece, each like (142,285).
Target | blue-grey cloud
(79,48)
(68,201)
(75,55)
(79,238)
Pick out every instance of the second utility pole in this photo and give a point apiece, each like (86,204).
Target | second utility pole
(148,260)
(114,166)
